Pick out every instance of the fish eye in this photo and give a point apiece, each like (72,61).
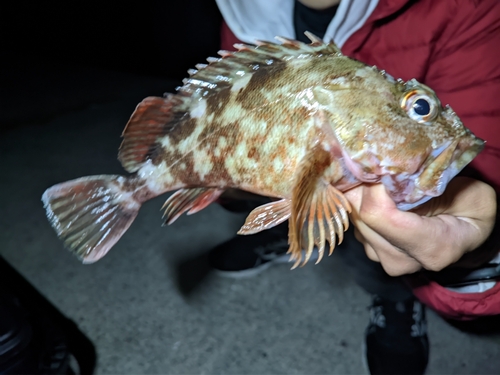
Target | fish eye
(420,106)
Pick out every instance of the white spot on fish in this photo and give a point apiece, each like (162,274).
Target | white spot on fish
(363,72)
(387,162)
(197,82)
(326,146)
(165,142)
(156,176)
(306,98)
(339,81)
(222,142)
(390,78)
(202,163)
(241,150)
(231,112)
(222,78)
(190,143)
(147,170)
(269,180)
(241,83)
(221,145)
(278,164)
(230,163)
(199,110)
(260,127)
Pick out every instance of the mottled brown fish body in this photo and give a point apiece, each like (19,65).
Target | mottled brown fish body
(249,135)
(295,122)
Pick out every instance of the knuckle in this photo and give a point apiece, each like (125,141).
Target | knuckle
(392,271)
(436,263)
(402,265)
(399,270)
(437,259)
(434,267)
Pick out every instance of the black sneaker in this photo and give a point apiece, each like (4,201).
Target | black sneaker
(396,339)
(247,256)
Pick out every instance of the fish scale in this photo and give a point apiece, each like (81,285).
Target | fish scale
(299,123)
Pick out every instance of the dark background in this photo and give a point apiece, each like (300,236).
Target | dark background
(146,37)
(45,45)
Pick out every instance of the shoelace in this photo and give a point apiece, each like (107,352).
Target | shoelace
(419,326)
(377,316)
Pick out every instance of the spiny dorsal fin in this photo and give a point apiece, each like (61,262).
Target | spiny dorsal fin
(222,72)
(154,117)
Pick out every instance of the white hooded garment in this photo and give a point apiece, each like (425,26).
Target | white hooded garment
(252,20)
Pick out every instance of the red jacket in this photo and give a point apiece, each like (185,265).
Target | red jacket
(451,46)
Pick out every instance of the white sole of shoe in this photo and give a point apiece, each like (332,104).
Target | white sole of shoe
(251,272)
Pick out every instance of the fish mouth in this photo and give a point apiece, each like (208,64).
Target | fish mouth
(444,163)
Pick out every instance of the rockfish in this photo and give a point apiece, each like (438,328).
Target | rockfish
(299,123)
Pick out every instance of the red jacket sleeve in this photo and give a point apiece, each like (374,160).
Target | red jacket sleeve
(465,70)
(228,39)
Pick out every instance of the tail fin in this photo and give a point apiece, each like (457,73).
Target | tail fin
(90,214)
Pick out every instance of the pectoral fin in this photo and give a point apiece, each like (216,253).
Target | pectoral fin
(191,200)
(319,212)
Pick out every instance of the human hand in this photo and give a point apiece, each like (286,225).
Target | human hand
(432,236)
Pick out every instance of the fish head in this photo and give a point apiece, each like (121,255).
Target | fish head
(397,133)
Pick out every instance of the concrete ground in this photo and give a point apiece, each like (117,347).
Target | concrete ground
(151,305)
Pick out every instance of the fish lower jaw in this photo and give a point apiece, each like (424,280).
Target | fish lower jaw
(404,192)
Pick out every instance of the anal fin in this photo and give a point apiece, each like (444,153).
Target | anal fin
(190,200)
(319,211)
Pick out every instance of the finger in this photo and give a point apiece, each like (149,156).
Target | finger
(404,230)
(464,220)
(394,261)
(408,230)
(354,196)
(371,253)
